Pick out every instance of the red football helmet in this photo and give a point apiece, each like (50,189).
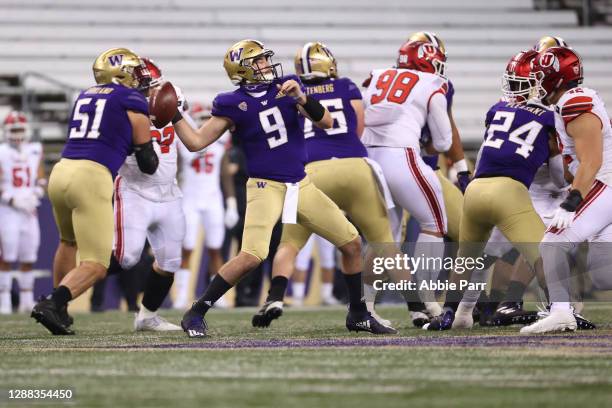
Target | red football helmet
(16,128)
(153,72)
(555,68)
(519,83)
(422,56)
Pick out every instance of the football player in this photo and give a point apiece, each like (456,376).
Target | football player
(264,115)
(202,174)
(453,199)
(586,135)
(338,165)
(109,121)
(400,101)
(22,185)
(520,137)
(149,207)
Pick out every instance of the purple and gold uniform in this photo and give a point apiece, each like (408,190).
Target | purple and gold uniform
(337,164)
(268,127)
(81,184)
(516,145)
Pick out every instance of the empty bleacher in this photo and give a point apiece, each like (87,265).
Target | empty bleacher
(188,38)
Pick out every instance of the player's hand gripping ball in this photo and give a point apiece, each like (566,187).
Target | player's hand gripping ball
(163,103)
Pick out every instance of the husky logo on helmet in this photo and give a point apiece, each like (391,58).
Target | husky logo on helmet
(243,64)
(119,66)
(315,60)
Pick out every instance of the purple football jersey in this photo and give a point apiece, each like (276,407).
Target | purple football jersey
(432,160)
(516,141)
(100,129)
(268,128)
(342,140)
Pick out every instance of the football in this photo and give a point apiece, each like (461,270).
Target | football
(163,103)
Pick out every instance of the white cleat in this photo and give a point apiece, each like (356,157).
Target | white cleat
(463,318)
(433,308)
(155,323)
(330,301)
(558,321)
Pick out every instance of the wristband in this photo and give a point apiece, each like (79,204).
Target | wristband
(177,117)
(572,201)
(460,166)
(314,109)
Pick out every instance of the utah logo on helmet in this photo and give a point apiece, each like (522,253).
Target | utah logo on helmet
(119,66)
(238,63)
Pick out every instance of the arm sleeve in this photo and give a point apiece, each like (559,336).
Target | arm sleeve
(439,123)
(135,101)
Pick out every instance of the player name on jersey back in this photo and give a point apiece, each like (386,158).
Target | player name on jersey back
(397,102)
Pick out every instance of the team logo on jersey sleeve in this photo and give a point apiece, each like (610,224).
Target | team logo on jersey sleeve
(243,106)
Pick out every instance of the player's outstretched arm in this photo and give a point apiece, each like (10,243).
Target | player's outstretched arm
(588,140)
(309,107)
(198,139)
(439,123)
(143,146)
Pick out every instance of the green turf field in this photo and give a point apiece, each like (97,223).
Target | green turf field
(306,359)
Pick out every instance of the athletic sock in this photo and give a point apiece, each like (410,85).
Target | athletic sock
(453,297)
(431,248)
(156,290)
(327,290)
(515,292)
(6,280)
(61,296)
(278,286)
(26,287)
(181,285)
(354,285)
(217,288)
(299,290)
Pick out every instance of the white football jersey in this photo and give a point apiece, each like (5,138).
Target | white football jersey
(542,185)
(201,172)
(19,168)
(397,104)
(572,104)
(160,186)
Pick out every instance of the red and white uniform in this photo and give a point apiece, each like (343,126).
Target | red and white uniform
(19,230)
(593,215)
(399,103)
(202,195)
(150,207)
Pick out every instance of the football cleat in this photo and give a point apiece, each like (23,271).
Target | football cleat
(366,322)
(433,308)
(46,313)
(559,321)
(155,323)
(509,313)
(441,322)
(370,307)
(67,320)
(419,319)
(463,318)
(269,311)
(194,325)
(581,322)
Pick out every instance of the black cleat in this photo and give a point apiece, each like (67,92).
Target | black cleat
(194,325)
(67,320)
(365,322)
(46,313)
(509,313)
(269,311)
(420,318)
(442,322)
(583,324)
